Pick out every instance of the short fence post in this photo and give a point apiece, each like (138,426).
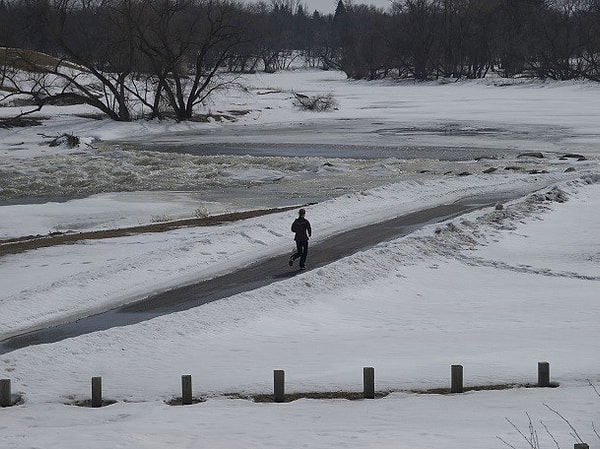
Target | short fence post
(456,385)
(279,385)
(186,389)
(369,383)
(5,393)
(543,374)
(96,392)
(581,446)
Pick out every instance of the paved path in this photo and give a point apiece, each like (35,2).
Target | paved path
(252,277)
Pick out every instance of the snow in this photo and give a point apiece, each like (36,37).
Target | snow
(496,290)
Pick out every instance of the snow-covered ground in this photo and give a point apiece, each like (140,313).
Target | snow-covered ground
(497,290)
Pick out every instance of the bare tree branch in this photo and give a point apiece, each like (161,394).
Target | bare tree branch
(574,434)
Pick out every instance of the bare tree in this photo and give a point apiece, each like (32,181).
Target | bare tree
(130,58)
(185,43)
(90,67)
(590,36)
(418,21)
(468,37)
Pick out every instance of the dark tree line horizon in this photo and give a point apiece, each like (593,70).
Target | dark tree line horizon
(168,54)
(429,39)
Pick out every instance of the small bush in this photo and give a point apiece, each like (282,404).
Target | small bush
(160,218)
(201,212)
(316,103)
(69,140)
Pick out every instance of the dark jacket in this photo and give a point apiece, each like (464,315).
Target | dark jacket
(301,227)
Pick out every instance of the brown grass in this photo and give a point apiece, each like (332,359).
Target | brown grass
(88,403)
(290,397)
(179,401)
(31,61)
(327,395)
(355,395)
(18,245)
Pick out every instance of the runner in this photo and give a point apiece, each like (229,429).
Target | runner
(302,230)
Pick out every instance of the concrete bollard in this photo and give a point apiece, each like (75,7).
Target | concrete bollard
(186,389)
(581,446)
(5,393)
(279,385)
(369,383)
(96,392)
(543,374)
(456,384)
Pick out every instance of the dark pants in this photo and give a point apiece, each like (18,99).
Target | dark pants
(301,252)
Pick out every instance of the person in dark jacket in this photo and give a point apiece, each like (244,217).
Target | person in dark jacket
(302,231)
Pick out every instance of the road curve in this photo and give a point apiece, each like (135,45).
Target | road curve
(258,274)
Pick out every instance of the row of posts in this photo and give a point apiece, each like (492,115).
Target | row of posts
(456,382)
(279,384)
(456,385)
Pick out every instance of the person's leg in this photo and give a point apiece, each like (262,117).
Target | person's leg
(297,254)
(304,253)
(299,250)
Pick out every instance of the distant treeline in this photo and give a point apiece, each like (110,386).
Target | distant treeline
(173,49)
(425,39)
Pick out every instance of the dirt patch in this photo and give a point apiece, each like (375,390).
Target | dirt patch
(355,395)
(20,122)
(179,401)
(290,397)
(495,387)
(88,403)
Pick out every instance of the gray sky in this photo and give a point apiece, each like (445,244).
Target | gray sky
(328,6)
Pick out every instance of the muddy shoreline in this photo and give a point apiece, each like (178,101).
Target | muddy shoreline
(22,244)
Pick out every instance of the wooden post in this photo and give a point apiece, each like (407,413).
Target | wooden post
(543,374)
(581,446)
(456,385)
(279,384)
(369,383)
(5,393)
(96,392)
(186,389)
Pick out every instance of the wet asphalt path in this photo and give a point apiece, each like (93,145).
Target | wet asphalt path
(259,274)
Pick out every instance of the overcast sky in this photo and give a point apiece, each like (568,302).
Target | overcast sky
(328,6)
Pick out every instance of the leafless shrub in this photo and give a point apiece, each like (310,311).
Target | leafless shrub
(201,212)
(316,103)
(531,435)
(160,218)
(66,139)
